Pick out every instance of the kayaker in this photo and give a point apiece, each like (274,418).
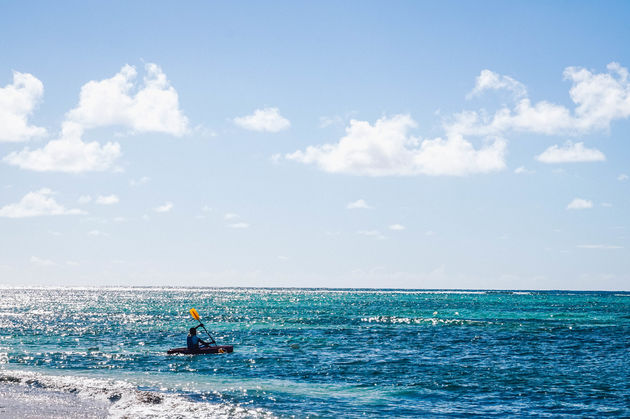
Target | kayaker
(193,341)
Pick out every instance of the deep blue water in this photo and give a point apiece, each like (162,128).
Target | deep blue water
(331,353)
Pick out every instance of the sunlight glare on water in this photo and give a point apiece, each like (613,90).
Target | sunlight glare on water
(325,352)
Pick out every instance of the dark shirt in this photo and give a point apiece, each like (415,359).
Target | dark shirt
(192,342)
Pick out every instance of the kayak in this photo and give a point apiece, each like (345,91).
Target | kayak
(221,349)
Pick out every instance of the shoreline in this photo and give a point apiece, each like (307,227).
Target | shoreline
(28,401)
(30,394)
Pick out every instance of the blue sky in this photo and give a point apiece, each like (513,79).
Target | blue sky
(363,144)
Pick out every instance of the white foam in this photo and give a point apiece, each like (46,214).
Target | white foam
(418,320)
(127,401)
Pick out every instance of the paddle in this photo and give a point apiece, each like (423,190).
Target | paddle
(195,316)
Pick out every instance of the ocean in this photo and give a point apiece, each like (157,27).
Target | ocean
(99,352)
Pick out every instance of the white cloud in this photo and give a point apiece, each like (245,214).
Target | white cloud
(230,216)
(598,246)
(84,199)
(139,182)
(622,177)
(97,233)
(599,99)
(489,80)
(238,225)
(336,120)
(267,119)
(37,203)
(17,101)
(275,158)
(579,203)
(542,118)
(120,101)
(386,149)
(522,170)
(41,262)
(570,153)
(326,121)
(359,204)
(67,154)
(397,227)
(107,200)
(371,233)
(164,208)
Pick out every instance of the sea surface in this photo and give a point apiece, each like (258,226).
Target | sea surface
(316,352)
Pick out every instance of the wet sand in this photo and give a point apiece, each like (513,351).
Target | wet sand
(25,401)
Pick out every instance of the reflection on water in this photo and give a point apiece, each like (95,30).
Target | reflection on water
(331,352)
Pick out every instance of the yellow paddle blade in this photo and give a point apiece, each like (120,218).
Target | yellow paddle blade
(194,314)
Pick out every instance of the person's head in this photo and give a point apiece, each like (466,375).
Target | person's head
(193,331)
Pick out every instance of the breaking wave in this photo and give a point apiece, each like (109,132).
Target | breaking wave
(125,400)
(420,320)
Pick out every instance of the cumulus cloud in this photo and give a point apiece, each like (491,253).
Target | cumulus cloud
(358,204)
(68,154)
(579,203)
(622,177)
(542,118)
(164,208)
(386,148)
(599,99)
(37,203)
(267,119)
(570,153)
(152,106)
(489,80)
(397,227)
(17,102)
(107,200)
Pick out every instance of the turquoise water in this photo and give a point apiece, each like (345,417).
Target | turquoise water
(325,352)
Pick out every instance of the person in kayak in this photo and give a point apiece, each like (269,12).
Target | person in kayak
(193,341)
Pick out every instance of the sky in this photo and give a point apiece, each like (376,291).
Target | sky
(359,144)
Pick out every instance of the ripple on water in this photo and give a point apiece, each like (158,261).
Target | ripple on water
(325,352)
